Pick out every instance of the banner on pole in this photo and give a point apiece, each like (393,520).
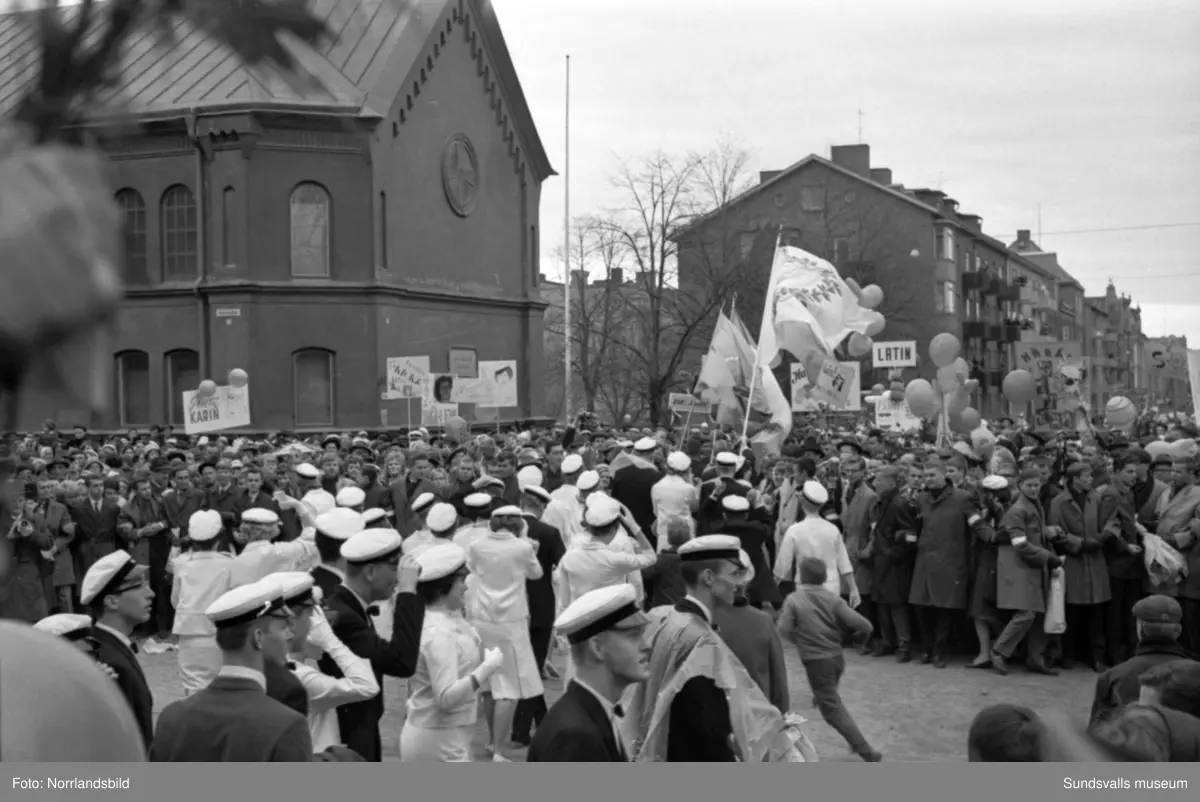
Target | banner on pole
(806,398)
(437,406)
(228,408)
(685,403)
(480,391)
(406,377)
(900,354)
(895,416)
(503,374)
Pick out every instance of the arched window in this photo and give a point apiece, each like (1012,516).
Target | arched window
(133,388)
(133,209)
(310,215)
(180,242)
(182,368)
(312,382)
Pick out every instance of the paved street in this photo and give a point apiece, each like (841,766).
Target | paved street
(909,712)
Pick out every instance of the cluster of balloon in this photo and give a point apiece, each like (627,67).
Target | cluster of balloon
(954,386)
(237,378)
(896,385)
(1120,412)
(869,297)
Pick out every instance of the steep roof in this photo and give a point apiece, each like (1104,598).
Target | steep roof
(373,46)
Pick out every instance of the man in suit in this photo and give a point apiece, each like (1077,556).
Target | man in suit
(95,519)
(55,518)
(334,528)
(632,484)
(540,594)
(226,498)
(711,514)
(233,720)
(181,501)
(375,570)
(116,593)
(606,630)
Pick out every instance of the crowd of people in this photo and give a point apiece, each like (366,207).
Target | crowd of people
(671,567)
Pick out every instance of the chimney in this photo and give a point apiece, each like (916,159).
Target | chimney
(973,222)
(616,277)
(766,175)
(855,158)
(1023,235)
(950,205)
(881,175)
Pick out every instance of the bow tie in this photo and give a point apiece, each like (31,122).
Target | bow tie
(133,647)
(373,610)
(618,711)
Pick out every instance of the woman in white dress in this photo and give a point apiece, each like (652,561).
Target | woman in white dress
(443,693)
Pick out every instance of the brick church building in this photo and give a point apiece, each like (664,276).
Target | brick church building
(307,234)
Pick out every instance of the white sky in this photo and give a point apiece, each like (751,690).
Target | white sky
(1090,108)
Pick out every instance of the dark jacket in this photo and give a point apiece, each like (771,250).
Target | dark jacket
(111,651)
(751,635)
(285,687)
(700,728)
(758,544)
(1121,684)
(326,580)
(540,592)
(359,721)
(711,514)
(892,552)
(575,730)
(664,579)
(231,721)
(95,535)
(1116,515)
(631,486)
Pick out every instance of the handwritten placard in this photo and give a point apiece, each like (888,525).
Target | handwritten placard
(406,377)
(228,408)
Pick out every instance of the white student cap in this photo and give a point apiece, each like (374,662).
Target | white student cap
(308,471)
(602,512)
(440,560)
(588,480)
(735,503)
(530,475)
(70,626)
(204,525)
(350,497)
(645,444)
(484,482)
(246,603)
(572,463)
(442,518)
(507,512)
(815,492)
(372,515)
(295,587)
(108,574)
(477,500)
(319,501)
(259,515)
(678,461)
(711,547)
(538,492)
(340,523)
(727,459)
(994,482)
(372,545)
(597,611)
(422,501)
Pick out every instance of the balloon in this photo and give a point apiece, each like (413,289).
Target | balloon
(207,389)
(920,397)
(962,369)
(872,296)
(956,402)
(1120,411)
(1018,387)
(854,288)
(948,379)
(859,345)
(970,418)
(238,377)
(877,389)
(971,385)
(876,325)
(943,349)
(896,395)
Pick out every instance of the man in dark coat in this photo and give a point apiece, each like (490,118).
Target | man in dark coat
(116,593)
(285,687)
(1158,625)
(605,628)
(374,571)
(941,572)
(1126,566)
(226,498)
(631,485)
(758,543)
(895,536)
(94,521)
(233,720)
(711,514)
(540,594)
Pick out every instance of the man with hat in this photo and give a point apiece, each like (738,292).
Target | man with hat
(116,593)
(233,720)
(375,570)
(565,510)
(333,529)
(540,597)
(674,496)
(440,526)
(756,540)
(261,556)
(76,630)
(1118,514)
(595,564)
(1158,627)
(1178,524)
(422,504)
(691,717)
(605,628)
(633,484)
(351,498)
(711,514)
(814,536)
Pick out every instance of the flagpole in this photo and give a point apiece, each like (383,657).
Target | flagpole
(757,346)
(567,249)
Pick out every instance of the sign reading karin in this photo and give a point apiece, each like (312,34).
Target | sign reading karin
(228,408)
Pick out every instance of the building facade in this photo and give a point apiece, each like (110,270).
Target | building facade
(1116,344)
(390,210)
(1166,373)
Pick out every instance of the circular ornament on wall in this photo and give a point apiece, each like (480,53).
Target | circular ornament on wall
(460,174)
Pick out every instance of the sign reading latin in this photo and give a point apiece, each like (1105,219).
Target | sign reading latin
(901,354)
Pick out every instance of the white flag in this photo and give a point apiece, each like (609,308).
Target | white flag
(809,308)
